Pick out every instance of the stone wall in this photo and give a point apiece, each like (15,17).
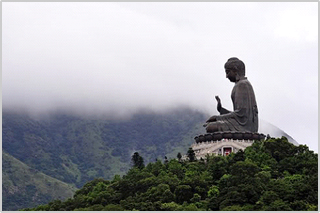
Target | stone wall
(221,147)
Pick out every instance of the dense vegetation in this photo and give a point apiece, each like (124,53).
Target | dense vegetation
(23,186)
(271,175)
(76,149)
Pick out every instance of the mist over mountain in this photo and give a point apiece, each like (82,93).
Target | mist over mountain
(275,132)
(115,58)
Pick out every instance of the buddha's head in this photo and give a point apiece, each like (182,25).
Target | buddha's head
(235,69)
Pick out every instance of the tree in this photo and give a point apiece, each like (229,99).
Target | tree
(171,207)
(191,155)
(176,168)
(213,192)
(217,166)
(179,156)
(137,160)
(167,196)
(183,193)
(158,167)
(278,205)
(248,181)
(166,160)
(112,207)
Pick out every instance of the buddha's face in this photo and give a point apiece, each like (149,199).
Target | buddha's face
(231,75)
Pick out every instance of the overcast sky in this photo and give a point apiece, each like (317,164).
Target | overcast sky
(116,58)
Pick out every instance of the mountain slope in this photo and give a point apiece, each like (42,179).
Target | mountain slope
(76,150)
(23,186)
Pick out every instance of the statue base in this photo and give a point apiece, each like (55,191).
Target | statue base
(223,143)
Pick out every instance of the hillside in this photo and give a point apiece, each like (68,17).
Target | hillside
(76,150)
(23,186)
(271,175)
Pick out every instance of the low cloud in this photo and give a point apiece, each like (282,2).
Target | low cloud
(117,58)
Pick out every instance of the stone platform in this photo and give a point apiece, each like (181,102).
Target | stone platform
(223,143)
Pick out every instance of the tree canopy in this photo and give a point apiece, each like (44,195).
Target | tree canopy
(270,175)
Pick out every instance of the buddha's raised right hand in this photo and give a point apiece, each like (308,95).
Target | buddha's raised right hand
(219,106)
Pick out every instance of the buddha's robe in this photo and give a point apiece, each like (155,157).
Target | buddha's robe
(245,114)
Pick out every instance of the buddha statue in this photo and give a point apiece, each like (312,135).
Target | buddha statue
(244,117)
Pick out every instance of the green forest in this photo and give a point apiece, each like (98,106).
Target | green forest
(270,175)
(76,150)
(72,150)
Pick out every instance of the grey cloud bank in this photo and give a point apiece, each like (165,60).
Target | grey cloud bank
(116,58)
